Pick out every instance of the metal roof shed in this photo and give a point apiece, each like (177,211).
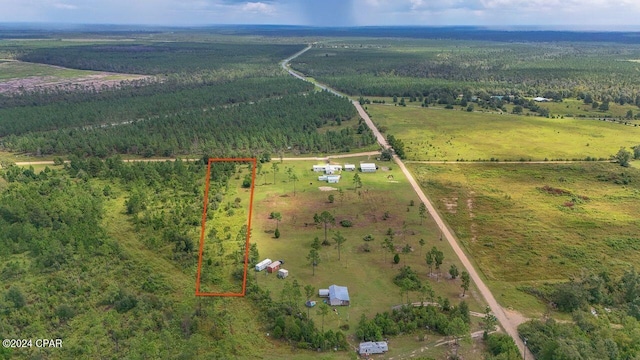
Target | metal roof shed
(338,295)
(368,167)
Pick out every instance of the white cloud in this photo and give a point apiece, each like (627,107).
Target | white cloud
(258,7)
(65,6)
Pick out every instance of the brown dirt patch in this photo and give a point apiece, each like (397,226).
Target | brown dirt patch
(85,83)
(327,188)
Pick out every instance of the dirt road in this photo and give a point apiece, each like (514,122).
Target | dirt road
(509,326)
(314,158)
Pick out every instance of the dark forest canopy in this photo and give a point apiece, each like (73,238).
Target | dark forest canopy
(281,124)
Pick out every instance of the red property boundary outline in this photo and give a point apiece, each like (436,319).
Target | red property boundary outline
(204,221)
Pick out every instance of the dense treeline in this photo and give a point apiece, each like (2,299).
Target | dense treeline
(592,335)
(290,122)
(596,289)
(160,58)
(75,109)
(410,69)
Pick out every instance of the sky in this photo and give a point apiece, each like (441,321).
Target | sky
(581,14)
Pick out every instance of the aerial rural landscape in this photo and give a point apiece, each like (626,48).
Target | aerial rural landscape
(318,191)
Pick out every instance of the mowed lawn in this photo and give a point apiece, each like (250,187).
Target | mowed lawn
(439,134)
(527,223)
(368,275)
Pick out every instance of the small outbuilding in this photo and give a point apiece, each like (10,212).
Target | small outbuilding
(263,264)
(368,167)
(282,273)
(273,267)
(319,168)
(349,167)
(323,292)
(338,295)
(373,347)
(331,179)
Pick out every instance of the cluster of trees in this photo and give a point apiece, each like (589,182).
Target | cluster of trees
(592,335)
(397,145)
(588,337)
(290,122)
(445,320)
(598,289)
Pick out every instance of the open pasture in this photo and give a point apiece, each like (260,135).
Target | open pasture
(363,266)
(440,134)
(532,223)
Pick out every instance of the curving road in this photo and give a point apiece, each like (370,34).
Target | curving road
(507,324)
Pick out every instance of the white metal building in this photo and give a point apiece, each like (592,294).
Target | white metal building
(282,273)
(368,167)
(349,167)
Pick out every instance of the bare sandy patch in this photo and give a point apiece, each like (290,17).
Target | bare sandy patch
(327,188)
(91,82)
(451,204)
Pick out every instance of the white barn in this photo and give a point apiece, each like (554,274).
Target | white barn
(349,167)
(373,347)
(368,167)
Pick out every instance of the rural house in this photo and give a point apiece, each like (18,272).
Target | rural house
(338,295)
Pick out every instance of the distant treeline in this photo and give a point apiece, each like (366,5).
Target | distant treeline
(160,58)
(605,72)
(287,123)
(445,32)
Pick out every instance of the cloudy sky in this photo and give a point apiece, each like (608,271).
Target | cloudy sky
(595,14)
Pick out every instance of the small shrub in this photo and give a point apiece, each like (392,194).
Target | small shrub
(368,238)
(276,234)
(346,223)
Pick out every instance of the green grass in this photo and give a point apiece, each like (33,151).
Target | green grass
(519,234)
(20,70)
(439,134)
(368,275)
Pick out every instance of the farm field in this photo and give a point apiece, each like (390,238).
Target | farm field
(529,224)
(440,134)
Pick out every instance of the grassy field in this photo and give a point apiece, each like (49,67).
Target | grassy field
(534,223)
(368,275)
(439,134)
(18,70)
